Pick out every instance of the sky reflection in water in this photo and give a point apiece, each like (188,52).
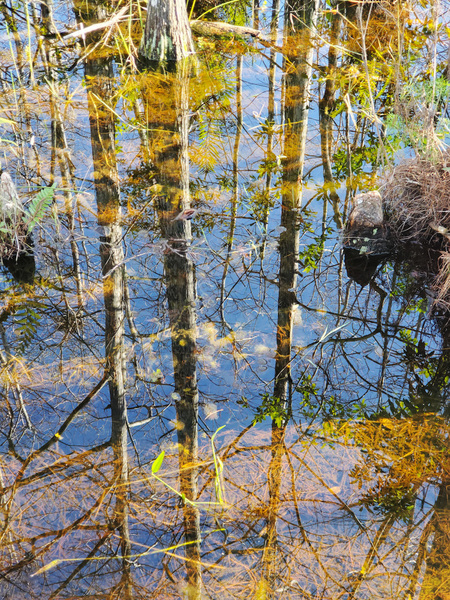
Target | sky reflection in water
(303,418)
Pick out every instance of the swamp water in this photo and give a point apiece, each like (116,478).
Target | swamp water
(196,399)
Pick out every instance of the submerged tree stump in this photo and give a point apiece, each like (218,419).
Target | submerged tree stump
(366,231)
(367,210)
(366,241)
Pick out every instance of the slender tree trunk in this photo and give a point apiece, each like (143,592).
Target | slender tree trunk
(235,198)
(181,299)
(59,142)
(181,296)
(299,52)
(270,558)
(326,106)
(298,46)
(270,155)
(99,80)
(168,110)
(99,74)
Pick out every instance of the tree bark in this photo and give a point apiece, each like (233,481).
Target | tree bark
(167,110)
(167,36)
(299,53)
(99,84)
(298,46)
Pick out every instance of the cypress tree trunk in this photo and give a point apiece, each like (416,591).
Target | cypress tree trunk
(167,35)
(298,46)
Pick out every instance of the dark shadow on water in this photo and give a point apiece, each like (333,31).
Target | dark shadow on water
(22,267)
(361,267)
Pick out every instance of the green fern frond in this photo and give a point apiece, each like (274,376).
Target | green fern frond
(38,206)
(26,322)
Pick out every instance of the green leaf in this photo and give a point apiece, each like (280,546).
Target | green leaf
(156,465)
(38,206)
(215,433)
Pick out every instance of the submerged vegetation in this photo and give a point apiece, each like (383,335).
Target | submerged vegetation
(196,399)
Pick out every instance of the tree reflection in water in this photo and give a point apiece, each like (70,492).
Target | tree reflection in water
(144,331)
